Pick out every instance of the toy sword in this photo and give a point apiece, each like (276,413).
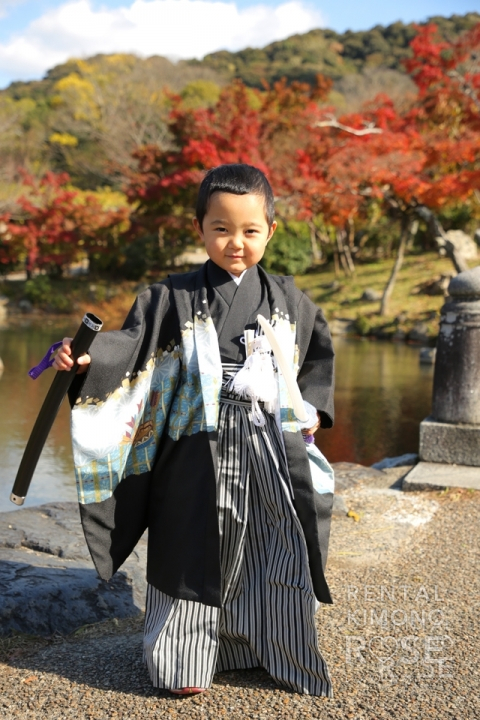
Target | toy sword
(85,336)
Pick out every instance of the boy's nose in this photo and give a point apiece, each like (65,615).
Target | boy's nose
(236,241)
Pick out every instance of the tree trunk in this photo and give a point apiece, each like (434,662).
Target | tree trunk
(344,253)
(459,263)
(412,233)
(341,255)
(335,262)
(348,256)
(440,237)
(405,232)
(316,250)
(351,233)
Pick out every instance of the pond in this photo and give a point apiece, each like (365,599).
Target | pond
(382,394)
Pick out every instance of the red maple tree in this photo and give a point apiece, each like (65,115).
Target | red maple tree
(261,128)
(415,163)
(55,224)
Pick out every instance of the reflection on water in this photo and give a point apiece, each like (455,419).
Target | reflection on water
(382,393)
(20,402)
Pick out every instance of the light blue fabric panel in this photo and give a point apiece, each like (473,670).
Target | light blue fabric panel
(209,366)
(119,436)
(322,472)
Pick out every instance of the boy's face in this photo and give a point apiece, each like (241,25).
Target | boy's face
(235,230)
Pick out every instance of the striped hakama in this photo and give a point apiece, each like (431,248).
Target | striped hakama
(267,618)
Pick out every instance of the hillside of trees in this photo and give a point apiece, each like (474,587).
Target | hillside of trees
(87,116)
(101,162)
(325,52)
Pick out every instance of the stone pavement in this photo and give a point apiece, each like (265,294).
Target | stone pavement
(401,639)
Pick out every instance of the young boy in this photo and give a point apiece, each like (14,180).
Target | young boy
(185,426)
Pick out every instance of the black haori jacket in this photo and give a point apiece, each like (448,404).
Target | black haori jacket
(144,424)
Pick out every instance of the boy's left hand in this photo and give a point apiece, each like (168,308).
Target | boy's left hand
(313,430)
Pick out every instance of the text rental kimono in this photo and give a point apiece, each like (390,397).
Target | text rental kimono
(144,424)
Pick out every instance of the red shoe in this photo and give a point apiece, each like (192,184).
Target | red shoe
(188,691)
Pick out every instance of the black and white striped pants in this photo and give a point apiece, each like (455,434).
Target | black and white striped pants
(267,618)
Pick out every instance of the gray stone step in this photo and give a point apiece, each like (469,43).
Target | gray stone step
(438,476)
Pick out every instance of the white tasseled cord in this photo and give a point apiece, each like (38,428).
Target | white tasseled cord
(256,379)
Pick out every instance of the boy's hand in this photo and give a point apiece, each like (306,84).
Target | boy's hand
(313,430)
(63,360)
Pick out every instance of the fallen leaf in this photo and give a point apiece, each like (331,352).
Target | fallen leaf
(354,515)
(31,678)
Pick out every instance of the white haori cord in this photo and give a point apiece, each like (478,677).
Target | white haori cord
(256,379)
(286,370)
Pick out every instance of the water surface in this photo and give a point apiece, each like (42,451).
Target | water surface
(20,401)
(382,394)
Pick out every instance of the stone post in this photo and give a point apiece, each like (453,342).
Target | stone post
(452,434)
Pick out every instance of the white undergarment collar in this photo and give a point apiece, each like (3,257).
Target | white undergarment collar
(237,278)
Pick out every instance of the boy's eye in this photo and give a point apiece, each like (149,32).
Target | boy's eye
(220,229)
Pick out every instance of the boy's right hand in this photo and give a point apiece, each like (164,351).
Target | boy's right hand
(63,360)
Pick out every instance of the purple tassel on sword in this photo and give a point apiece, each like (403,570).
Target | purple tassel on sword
(46,362)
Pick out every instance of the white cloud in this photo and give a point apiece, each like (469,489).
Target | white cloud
(175,28)
(6,5)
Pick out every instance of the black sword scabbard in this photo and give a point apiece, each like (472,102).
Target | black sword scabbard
(82,341)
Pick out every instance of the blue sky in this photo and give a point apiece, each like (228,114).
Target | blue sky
(37,34)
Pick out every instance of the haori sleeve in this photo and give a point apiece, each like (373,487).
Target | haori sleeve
(316,378)
(118,354)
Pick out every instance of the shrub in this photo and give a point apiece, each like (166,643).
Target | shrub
(38,290)
(60,303)
(362,325)
(289,251)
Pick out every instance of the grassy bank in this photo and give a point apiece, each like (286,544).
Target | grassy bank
(64,297)
(340,297)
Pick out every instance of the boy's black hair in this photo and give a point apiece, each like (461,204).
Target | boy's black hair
(238,179)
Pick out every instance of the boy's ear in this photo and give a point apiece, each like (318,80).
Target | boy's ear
(197,227)
(273,227)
